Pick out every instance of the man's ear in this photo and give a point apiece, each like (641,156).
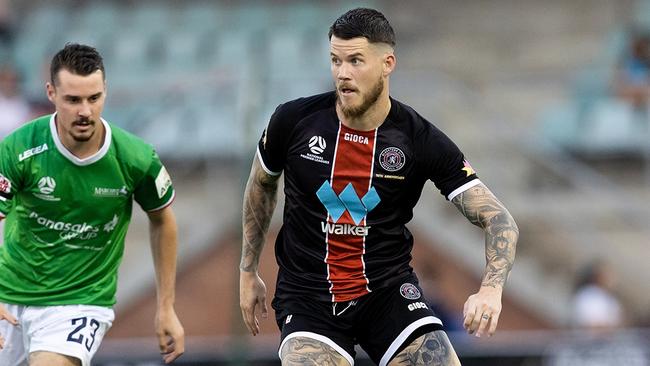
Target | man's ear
(51,91)
(389,63)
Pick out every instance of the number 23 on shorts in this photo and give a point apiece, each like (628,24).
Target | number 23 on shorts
(85,330)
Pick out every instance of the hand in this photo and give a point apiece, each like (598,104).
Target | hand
(252,292)
(5,315)
(481,311)
(171,336)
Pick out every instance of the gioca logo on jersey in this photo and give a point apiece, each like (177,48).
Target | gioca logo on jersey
(348,200)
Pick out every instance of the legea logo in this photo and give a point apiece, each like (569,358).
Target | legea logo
(347,200)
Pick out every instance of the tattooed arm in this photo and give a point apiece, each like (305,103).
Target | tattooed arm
(483,209)
(260,199)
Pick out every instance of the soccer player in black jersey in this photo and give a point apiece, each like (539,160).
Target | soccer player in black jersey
(355,162)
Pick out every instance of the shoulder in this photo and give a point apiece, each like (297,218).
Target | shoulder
(124,138)
(411,122)
(35,129)
(131,148)
(32,135)
(295,110)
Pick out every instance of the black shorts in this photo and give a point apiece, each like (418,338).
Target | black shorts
(382,322)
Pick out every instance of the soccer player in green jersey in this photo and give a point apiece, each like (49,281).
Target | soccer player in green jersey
(67,185)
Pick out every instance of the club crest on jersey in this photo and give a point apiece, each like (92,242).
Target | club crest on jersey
(5,188)
(409,291)
(392,159)
(5,185)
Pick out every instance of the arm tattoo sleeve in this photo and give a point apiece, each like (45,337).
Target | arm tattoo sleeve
(483,209)
(260,199)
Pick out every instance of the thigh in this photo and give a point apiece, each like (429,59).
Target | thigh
(432,349)
(311,331)
(392,318)
(72,330)
(316,341)
(307,351)
(42,358)
(14,352)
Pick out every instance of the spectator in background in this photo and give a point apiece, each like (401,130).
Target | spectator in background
(597,309)
(14,108)
(632,79)
(6,24)
(594,304)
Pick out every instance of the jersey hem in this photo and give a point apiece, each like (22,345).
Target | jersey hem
(28,303)
(463,188)
(266,169)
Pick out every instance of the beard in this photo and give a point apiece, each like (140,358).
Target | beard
(368,100)
(84,137)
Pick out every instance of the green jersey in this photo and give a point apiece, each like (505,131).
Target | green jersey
(66,218)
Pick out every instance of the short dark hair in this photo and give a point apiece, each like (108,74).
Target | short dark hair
(78,59)
(363,22)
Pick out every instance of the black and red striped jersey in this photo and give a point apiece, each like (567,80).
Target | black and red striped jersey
(350,193)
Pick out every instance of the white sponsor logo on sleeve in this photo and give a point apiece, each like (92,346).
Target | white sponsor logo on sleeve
(163,182)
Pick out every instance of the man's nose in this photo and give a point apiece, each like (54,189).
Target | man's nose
(343,72)
(84,110)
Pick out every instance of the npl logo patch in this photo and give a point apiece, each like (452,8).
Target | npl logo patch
(46,185)
(317,145)
(347,200)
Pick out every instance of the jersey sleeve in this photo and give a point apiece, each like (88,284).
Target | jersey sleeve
(9,176)
(445,164)
(272,147)
(155,190)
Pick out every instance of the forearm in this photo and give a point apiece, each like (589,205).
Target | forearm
(260,199)
(163,236)
(483,209)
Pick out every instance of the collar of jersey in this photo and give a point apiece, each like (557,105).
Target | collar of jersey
(75,160)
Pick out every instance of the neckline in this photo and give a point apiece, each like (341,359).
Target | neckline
(70,156)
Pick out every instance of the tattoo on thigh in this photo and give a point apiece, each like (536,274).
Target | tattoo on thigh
(432,348)
(310,352)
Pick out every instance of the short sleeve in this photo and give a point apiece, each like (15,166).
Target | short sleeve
(445,164)
(9,176)
(272,147)
(155,190)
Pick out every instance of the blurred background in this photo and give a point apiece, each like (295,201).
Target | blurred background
(549,100)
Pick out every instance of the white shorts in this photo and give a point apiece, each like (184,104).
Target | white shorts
(71,330)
